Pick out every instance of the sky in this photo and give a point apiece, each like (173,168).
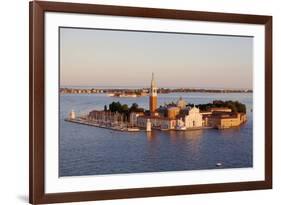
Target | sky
(91,57)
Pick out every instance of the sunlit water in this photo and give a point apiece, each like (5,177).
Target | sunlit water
(86,150)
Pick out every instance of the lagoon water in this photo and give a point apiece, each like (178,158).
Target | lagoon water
(86,150)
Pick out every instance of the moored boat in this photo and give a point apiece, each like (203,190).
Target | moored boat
(180,128)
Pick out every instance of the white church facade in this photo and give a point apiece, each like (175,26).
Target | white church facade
(194,118)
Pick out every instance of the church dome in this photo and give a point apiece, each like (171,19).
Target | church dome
(181,103)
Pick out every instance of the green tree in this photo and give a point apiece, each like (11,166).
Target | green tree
(124,108)
(134,107)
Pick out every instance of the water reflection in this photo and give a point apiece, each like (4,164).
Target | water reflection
(150,136)
(189,135)
(191,139)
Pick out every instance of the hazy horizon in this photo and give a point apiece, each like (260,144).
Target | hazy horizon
(144,86)
(113,58)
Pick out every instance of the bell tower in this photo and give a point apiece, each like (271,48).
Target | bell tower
(153,96)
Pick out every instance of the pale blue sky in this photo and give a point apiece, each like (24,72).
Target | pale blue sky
(90,57)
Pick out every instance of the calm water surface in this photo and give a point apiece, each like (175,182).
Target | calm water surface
(86,150)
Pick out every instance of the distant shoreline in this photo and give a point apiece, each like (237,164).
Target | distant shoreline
(144,91)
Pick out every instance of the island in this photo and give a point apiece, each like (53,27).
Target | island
(179,116)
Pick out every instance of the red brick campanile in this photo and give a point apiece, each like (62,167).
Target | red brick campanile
(153,96)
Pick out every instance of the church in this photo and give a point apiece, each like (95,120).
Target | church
(177,117)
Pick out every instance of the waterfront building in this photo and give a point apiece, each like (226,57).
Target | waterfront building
(174,120)
(178,116)
(235,121)
(173,112)
(227,120)
(223,120)
(153,97)
(194,118)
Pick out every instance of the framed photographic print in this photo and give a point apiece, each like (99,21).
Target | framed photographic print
(139,102)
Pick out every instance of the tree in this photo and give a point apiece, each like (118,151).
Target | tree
(235,106)
(118,107)
(105,108)
(124,108)
(134,107)
(115,107)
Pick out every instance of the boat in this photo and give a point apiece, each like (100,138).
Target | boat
(180,128)
(218,164)
(128,95)
(123,95)
(133,129)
